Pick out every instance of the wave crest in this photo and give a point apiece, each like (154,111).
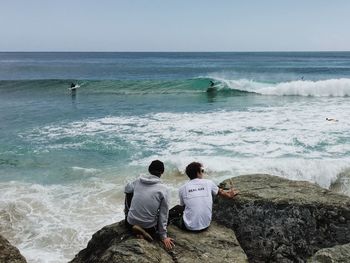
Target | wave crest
(320,88)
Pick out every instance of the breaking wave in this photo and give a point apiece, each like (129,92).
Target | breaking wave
(233,87)
(320,88)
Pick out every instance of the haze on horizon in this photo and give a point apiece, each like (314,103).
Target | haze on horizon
(164,25)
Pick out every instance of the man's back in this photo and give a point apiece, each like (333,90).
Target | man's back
(197,197)
(150,196)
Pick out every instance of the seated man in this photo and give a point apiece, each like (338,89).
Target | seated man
(149,206)
(197,198)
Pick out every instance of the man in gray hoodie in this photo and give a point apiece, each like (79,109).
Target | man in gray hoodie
(149,206)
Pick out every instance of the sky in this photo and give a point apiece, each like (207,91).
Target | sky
(174,25)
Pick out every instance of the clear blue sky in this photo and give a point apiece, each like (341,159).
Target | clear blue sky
(174,25)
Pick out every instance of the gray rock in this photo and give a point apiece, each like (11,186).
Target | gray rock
(336,254)
(9,253)
(114,243)
(278,220)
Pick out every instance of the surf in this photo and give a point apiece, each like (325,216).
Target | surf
(306,88)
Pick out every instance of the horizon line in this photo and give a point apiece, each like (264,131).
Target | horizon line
(262,51)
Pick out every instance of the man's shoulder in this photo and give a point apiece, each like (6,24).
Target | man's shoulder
(208,181)
(204,181)
(163,187)
(186,184)
(182,188)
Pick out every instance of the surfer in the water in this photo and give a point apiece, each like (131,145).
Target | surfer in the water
(211,87)
(330,119)
(73,90)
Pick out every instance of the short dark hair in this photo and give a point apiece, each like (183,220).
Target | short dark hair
(193,169)
(156,168)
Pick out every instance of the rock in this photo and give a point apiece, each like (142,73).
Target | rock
(217,244)
(114,243)
(278,220)
(9,253)
(336,254)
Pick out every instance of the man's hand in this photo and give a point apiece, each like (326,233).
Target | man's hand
(232,192)
(229,193)
(168,243)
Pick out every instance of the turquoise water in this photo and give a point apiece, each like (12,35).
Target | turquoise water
(64,158)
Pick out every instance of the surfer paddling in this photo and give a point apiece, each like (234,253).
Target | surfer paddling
(330,119)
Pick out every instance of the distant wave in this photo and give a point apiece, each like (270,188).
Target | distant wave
(320,88)
(118,87)
(232,87)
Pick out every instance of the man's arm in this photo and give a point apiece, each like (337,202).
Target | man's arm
(228,194)
(215,190)
(128,198)
(163,221)
(129,187)
(129,193)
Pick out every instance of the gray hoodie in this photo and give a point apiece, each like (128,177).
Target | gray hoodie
(150,203)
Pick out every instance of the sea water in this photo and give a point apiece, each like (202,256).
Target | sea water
(64,158)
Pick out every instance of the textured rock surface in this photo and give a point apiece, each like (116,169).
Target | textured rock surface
(114,243)
(9,253)
(278,220)
(336,254)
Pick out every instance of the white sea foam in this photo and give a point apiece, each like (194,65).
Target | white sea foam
(296,129)
(52,223)
(320,88)
(288,133)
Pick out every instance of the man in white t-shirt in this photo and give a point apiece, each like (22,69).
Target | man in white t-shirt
(197,198)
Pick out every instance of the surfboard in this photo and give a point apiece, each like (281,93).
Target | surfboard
(75,87)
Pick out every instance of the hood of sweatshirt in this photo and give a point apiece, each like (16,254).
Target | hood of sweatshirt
(149,179)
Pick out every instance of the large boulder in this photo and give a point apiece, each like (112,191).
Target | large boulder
(9,253)
(336,254)
(114,243)
(278,220)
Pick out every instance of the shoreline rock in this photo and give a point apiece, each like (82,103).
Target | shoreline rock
(114,243)
(278,220)
(9,253)
(340,253)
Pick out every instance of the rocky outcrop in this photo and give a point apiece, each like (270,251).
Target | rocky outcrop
(336,254)
(278,220)
(9,253)
(114,243)
(274,219)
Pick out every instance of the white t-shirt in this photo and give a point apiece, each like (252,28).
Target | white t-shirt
(197,197)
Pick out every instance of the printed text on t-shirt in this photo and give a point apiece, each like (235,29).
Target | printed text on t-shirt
(196,191)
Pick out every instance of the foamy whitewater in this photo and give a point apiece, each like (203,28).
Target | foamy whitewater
(65,158)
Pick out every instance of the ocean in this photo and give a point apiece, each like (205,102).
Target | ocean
(65,158)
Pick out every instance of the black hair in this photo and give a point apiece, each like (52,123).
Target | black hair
(193,169)
(156,168)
